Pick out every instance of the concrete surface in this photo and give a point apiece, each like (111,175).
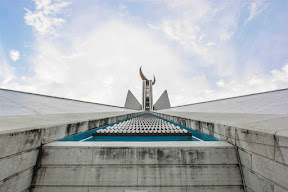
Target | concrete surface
(255,124)
(202,166)
(261,140)
(21,138)
(139,153)
(139,189)
(272,102)
(21,103)
(163,102)
(131,102)
(11,124)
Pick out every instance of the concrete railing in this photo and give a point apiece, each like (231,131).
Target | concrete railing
(263,153)
(20,147)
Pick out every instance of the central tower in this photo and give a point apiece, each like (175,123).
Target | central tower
(147,92)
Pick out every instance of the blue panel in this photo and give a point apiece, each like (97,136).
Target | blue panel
(141,138)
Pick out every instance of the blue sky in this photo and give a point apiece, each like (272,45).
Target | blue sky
(92,50)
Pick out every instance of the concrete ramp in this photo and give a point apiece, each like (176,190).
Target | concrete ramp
(138,167)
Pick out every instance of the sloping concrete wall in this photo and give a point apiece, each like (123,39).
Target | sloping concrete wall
(131,102)
(273,102)
(21,103)
(261,140)
(163,102)
(21,139)
(142,166)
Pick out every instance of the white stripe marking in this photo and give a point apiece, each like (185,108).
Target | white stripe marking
(86,139)
(197,138)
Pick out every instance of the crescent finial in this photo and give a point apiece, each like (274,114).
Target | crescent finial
(154,81)
(142,75)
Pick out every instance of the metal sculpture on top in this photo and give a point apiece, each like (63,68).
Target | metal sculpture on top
(147,94)
(144,78)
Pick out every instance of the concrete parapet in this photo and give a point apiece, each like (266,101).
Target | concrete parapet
(21,139)
(18,182)
(261,141)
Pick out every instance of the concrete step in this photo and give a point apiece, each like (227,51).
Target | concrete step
(139,189)
(138,166)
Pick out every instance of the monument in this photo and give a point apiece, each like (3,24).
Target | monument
(147,92)
(51,144)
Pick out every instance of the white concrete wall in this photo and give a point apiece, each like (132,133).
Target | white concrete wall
(262,142)
(21,103)
(272,102)
(20,143)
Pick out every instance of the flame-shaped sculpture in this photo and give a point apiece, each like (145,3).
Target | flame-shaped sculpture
(144,78)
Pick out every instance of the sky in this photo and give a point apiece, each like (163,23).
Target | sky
(92,50)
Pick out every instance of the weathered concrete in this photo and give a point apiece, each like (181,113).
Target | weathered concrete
(139,189)
(256,125)
(261,140)
(139,175)
(12,124)
(104,153)
(143,165)
(256,182)
(17,163)
(21,138)
(18,182)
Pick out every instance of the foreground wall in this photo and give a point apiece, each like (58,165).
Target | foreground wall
(21,140)
(138,167)
(262,143)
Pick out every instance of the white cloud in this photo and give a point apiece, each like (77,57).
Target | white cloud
(197,25)
(255,8)
(103,64)
(14,55)
(210,44)
(123,10)
(226,36)
(220,83)
(185,29)
(7,73)
(45,19)
(276,79)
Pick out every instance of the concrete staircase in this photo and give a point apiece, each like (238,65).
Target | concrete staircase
(138,167)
